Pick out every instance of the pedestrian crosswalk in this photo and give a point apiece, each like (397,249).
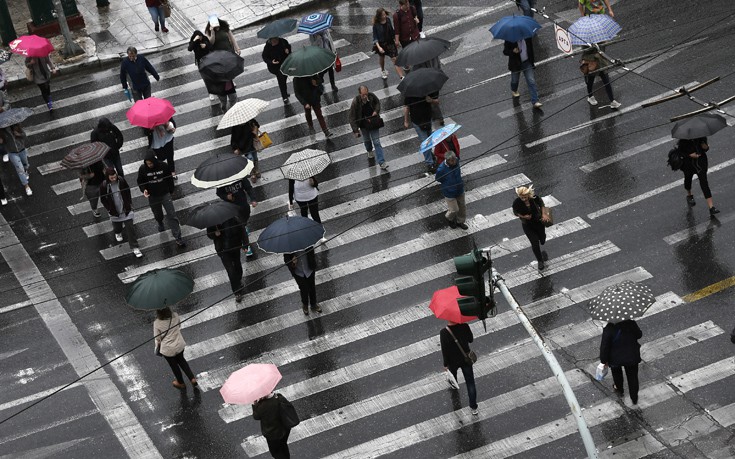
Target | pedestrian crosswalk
(365,374)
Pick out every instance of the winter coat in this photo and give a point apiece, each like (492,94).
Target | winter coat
(514,59)
(136,70)
(267,411)
(405,27)
(278,53)
(242,192)
(98,169)
(157,180)
(356,115)
(619,344)
(110,135)
(108,201)
(450,178)
(384,33)
(173,343)
(451,354)
(310,260)
(699,146)
(242,137)
(306,92)
(231,236)
(13,142)
(41,68)
(196,48)
(450,143)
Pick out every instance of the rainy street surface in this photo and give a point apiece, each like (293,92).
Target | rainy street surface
(366,374)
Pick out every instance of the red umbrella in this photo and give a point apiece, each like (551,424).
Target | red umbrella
(31,46)
(444,305)
(150,112)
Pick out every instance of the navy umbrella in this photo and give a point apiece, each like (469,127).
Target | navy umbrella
(221,66)
(422,82)
(14,116)
(278,28)
(290,234)
(515,28)
(212,213)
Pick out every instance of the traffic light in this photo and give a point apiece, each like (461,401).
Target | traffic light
(471,285)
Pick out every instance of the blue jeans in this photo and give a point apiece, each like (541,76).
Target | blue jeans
(423,135)
(372,138)
(20,162)
(157,15)
(469,380)
(515,77)
(526,6)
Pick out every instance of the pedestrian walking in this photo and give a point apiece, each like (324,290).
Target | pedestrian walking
(240,193)
(405,23)
(308,91)
(384,42)
(449,175)
(433,98)
(220,36)
(3,197)
(451,143)
(302,265)
(525,6)
(594,60)
(161,140)
(155,8)
(455,342)
(417,112)
(91,178)
(417,4)
(42,68)
(243,140)
(366,122)
(13,139)
(109,134)
(171,344)
(306,195)
(521,60)
(115,196)
(275,51)
(200,45)
(532,212)
(267,410)
(587,7)
(156,184)
(619,348)
(228,241)
(323,39)
(695,163)
(135,68)
(4,106)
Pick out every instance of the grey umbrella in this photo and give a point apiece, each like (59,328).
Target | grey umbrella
(699,126)
(14,116)
(421,51)
(422,82)
(221,66)
(278,28)
(624,301)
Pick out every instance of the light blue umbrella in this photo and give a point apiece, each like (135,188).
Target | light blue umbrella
(439,136)
(593,29)
(315,22)
(515,28)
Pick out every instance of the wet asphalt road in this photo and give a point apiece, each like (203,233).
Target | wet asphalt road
(355,376)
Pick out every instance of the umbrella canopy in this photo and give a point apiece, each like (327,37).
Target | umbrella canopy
(150,112)
(305,164)
(242,112)
(515,28)
(445,307)
(308,61)
(221,66)
(421,51)
(250,383)
(85,155)
(624,301)
(278,28)
(439,136)
(212,213)
(699,126)
(14,116)
(315,22)
(594,28)
(159,288)
(31,46)
(422,82)
(4,56)
(290,234)
(221,170)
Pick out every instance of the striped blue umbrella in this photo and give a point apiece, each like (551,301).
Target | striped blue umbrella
(594,28)
(315,22)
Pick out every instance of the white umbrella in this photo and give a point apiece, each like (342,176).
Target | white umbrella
(242,112)
(305,164)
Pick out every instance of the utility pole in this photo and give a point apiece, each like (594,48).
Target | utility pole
(71,49)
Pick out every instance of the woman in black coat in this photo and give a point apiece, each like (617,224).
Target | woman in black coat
(110,135)
(276,50)
(530,209)
(228,240)
(242,142)
(200,45)
(302,265)
(695,162)
(454,358)
(620,349)
(267,411)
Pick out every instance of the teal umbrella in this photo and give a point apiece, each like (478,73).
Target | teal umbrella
(308,61)
(159,288)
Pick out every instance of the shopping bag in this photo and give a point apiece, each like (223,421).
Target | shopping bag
(337,64)
(265,140)
(451,380)
(166,9)
(601,372)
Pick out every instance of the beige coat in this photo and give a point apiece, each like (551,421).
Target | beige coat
(173,343)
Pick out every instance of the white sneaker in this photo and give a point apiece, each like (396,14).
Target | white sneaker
(323,240)
(475,412)
(118,237)
(537,105)
(6,158)
(137,252)
(385,74)
(516,93)
(615,104)
(211,97)
(592,100)
(371,154)
(29,192)
(422,35)
(4,202)
(384,166)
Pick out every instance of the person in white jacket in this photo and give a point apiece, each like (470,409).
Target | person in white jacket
(171,344)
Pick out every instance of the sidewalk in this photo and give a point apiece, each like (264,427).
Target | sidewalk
(111,30)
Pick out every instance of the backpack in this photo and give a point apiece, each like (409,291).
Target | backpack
(287,412)
(676,159)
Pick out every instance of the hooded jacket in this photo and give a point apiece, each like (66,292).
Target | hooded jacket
(108,200)
(230,238)
(157,180)
(196,48)
(242,192)
(278,53)
(109,134)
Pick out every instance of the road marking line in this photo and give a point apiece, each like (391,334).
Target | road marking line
(33,397)
(699,230)
(724,415)
(61,422)
(644,445)
(710,290)
(15,306)
(593,166)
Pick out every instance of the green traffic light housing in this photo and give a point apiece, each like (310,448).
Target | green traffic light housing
(471,285)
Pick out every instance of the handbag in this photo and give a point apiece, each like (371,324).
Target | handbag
(337,64)
(451,380)
(158,344)
(265,139)
(287,413)
(550,213)
(29,74)
(375,122)
(469,357)
(601,372)
(166,9)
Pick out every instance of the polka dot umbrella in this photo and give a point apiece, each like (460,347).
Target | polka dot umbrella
(624,301)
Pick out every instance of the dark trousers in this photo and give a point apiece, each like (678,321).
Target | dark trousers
(469,380)
(310,207)
(243,217)
(2,188)
(590,80)
(178,363)
(631,372)
(117,227)
(45,91)
(279,447)
(701,171)
(93,195)
(233,266)
(419,13)
(113,160)
(536,234)
(145,93)
(319,117)
(282,84)
(307,288)
(330,71)
(166,153)
(158,203)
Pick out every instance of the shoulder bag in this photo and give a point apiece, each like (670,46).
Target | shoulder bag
(166,7)
(29,74)
(469,357)
(158,344)
(287,412)
(550,222)
(265,139)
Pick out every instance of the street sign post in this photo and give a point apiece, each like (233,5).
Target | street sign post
(563,41)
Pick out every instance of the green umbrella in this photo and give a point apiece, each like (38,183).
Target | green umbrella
(159,288)
(308,61)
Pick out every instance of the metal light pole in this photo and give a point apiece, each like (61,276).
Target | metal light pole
(71,49)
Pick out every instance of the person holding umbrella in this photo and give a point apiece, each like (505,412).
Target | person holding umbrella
(13,139)
(417,112)
(109,134)
(170,344)
(161,140)
(306,195)
(276,50)
(449,175)
(592,57)
(323,39)
(116,198)
(243,140)
(308,91)
(135,67)
(695,163)
(455,341)
(219,34)
(228,240)
(156,184)
(383,41)
(267,410)
(92,177)
(619,348)
(42,68)
(365,121)
(302,265)
(521,60)
(532,212)
(594,7)
(241,194)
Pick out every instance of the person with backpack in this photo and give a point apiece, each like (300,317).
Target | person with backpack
(455,342)
(619,348)
(267,410)
(594,7)
(405,23)
(694,152)
(595,64)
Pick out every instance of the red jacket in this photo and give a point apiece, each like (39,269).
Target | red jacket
(404,24)
(441,149)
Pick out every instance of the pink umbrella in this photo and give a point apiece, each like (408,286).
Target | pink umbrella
(150,112)
(250,383)
(31,46)
(444,305)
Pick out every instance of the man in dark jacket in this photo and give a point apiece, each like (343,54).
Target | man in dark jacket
(365,121)
(450,176)
(619,348)
(451,338)
(405,23)
(417,113)
(302,265)
(267,410)
(228,239)
(109,134)
(240,193)
(520,59)
(308,91)
(156,183)
(136,67)
(276,50)
(115,196)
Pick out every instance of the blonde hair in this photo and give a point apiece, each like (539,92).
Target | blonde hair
(525,191)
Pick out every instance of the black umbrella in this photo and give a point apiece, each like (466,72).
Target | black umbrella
(290,234)
(624,301)
(212,213)
(278,28)
(699,126)
(221,66)
(14,116)
(85,155)
(221,170)
(421,51)
(422,82)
